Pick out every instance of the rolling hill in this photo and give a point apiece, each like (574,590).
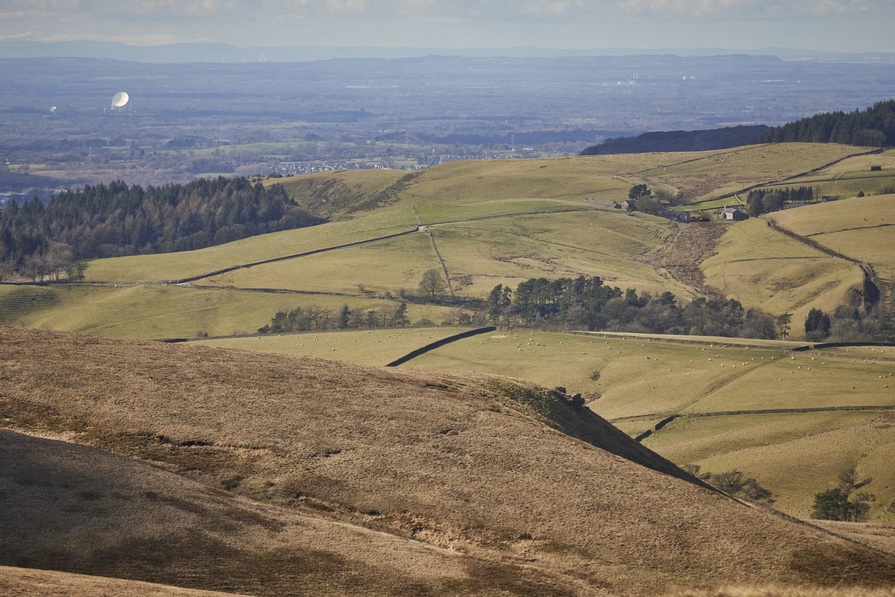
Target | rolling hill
(452,483)
(437,477)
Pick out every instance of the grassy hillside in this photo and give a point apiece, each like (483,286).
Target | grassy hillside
(159,312)
(462,462)
(862,228)
(636,382)
(763,268)
(487,223)
(176,266)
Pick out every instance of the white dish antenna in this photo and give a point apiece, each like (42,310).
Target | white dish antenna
(120,99)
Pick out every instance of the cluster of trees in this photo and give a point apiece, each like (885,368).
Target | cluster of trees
(845,501)
(865,317)
(762,201)
(734,483)
(114,220)
(587,303)
(314,318)
(874,127)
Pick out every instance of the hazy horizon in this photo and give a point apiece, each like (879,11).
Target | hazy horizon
(573,25)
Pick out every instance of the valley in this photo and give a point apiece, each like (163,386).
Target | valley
(467,470)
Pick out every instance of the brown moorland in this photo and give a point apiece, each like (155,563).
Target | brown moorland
(27,582)
(80,509)
(541,498)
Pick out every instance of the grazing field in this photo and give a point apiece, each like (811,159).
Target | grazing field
(156,312)
(385,266)
(601,243)
(766,269)
(176,266)
(460,472)
(637,382)
(315,477)
(793,455)
(862,228)
(710,175)
(334,193)
(367,347)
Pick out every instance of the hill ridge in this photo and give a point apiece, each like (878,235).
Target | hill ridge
(436,457)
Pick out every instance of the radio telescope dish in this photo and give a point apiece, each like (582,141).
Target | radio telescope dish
(120,99)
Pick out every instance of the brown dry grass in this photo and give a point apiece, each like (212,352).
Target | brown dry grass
(464,464)
(783,591)
(26,582)
(687,248)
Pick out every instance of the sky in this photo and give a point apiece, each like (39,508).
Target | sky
(826,25)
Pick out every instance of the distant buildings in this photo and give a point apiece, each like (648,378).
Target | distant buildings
(733,213)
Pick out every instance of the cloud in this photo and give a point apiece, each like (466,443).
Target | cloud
(753,8)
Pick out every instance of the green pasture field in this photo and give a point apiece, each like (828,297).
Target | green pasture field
(858,213)
(592,243)
(435,213)
(157,312)
(652,377)
(365,347)
(569,179)
(847,177)
(636,381)
(862,228)
(332,193)
(793,455)
(847,185)
(712,175)
(381,267)
(174,266)
(766,269)
(862,163)
(481,253)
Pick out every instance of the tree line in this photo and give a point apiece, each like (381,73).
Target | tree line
(761,201)
(588,303)
(314,318)
(113,220)
(873,127)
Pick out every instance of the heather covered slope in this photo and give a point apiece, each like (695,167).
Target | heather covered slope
(79,509)
(460,462)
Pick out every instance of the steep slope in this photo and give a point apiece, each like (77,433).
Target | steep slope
(440,458)
(76,508)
